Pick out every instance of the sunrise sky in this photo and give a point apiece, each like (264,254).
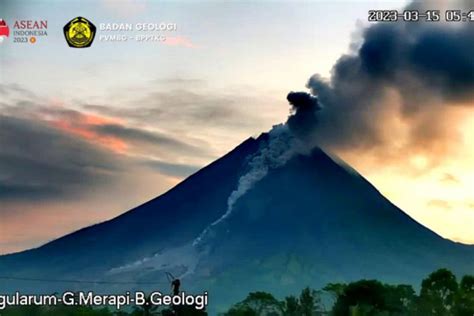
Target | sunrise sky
(86,134)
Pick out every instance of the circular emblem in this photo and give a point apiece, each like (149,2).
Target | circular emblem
(79,32)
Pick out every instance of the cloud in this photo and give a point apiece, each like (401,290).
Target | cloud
(179,41)
(180,82)
(188,104)
(440,204)
(448,178)
(61,164)
(141,136)
(82,125)
(172,169)
(13,89)
(109,130)
(50,152)
(11,191)
(38,162)
(210,121)
(62,160)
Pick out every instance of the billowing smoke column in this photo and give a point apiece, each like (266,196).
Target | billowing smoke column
(284,142)
(408,72)
(427,66)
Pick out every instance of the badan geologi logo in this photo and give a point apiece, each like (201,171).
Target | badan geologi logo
(4,30)
(79,32)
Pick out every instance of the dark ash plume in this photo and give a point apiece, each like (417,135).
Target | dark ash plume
(303,113)
(425,65)
(411,72)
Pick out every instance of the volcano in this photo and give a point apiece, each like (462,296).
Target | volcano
(310,221)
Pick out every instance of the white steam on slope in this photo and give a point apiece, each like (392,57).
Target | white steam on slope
(171,259)
(282,145)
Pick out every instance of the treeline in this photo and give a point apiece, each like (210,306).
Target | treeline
(440,295)
(62,310)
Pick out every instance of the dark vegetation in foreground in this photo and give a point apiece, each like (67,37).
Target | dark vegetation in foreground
(440,295)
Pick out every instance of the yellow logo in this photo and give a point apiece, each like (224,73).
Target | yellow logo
(79,32)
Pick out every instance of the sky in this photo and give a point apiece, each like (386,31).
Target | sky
(87,134)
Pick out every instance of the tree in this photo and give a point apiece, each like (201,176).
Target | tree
(365,297)
(467,284)
(290,306)
(400,299)
(256,303)
(241,311)
(335,289)
(464,305)
(147,309)
(438,293)
(310,303)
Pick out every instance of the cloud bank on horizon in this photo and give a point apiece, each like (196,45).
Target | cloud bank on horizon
(60,163)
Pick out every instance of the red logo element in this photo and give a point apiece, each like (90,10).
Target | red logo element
(4,30)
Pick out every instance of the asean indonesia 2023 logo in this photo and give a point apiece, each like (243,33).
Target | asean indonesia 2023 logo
(4,30)
(79,32)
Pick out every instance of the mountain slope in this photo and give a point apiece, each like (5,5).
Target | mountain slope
(313,222)
(309,222)
(165,221)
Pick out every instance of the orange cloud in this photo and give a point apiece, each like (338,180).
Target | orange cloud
(79,124)
(440,204)
(179,41)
